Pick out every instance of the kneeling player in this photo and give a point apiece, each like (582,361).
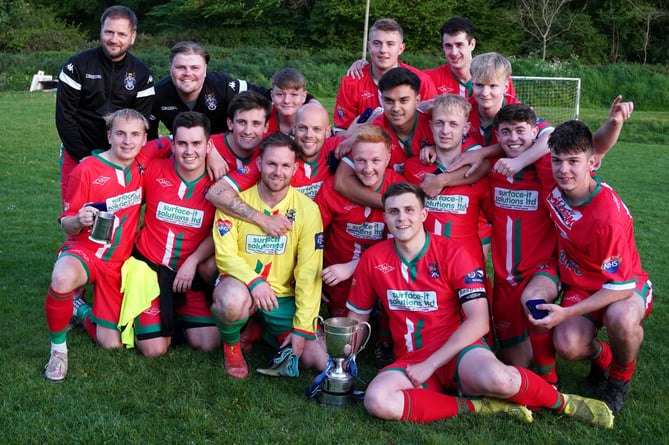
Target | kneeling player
(425,292)
(173,245)
(599,267)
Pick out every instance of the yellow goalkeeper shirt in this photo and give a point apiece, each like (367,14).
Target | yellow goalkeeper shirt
(291,264)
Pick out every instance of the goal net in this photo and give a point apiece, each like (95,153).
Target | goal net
(554,99)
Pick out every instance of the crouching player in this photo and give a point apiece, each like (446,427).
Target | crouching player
(173,243)
(426,283)
(277,279)
(599,268)
(111,180)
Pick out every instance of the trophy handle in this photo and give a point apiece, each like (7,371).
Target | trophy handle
(314,324)
(369,334)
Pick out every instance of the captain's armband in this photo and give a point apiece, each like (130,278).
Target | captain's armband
(471,294)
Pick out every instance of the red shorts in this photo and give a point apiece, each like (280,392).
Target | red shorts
(195,313)
(444,379)
(106,279)
(644,289)
(511,325)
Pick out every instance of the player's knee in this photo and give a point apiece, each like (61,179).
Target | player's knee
(152,350)
(623,318)
(204,343)
(495,381)
(378,403)
(568,345)
(62,281)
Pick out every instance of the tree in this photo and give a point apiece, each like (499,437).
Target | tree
(647,13)
(539,18)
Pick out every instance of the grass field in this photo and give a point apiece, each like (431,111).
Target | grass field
(186,397)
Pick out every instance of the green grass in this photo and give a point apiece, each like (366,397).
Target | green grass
(186,397)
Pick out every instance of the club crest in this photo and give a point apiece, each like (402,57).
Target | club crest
(130,81)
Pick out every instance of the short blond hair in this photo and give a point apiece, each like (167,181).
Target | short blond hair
(452,102)
(127,114)
(490,67)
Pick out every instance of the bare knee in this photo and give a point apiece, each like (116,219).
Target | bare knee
(572,346)
(154,347)
(108,338)
(231,301)
(384,404)
(205,339)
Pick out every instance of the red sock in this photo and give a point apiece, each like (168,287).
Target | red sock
(535,391)
(621,371)
(543,353)
(423,405)
(91,328)
(603,360)
(58,308)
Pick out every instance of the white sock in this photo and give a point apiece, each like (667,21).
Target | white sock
(62,348)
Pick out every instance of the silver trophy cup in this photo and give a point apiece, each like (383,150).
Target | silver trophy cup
(341,342)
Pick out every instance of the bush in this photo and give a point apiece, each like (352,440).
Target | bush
(24,27)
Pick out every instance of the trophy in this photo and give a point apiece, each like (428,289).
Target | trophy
(341,344)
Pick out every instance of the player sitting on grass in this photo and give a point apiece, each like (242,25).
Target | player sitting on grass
(427,283)
(599,268)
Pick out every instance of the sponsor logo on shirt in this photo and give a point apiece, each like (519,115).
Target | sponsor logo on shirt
(70,67)
(366,230)
(210,101)
(164,182)
(612,264)
(124,201)
(413,301)
(456,204)
(568,264)
(232,85)
(179,216)
(310,190)
(130,80)
(101,180)
(522,200)
(265,244)
(168,108)
(476,276)
(223,227)
(367,95)
(385,267)
(93,76)
(564,212)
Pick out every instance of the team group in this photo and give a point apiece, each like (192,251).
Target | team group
(256,211)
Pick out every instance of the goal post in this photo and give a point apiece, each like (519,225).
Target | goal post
(554,99)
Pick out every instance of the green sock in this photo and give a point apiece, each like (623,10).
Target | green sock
(83,312)
(231,331)
(58,337)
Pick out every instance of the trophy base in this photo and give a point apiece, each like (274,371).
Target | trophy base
(332,400)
